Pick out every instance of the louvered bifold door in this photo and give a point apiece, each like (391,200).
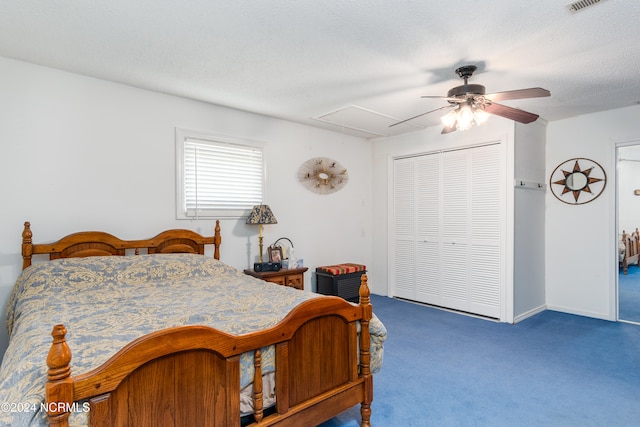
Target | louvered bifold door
(486,257)
(404,254)
(428,219)
(448,226)
(455,230)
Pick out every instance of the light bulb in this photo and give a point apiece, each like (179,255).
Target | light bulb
(449,119)
(465,118)
(480,116)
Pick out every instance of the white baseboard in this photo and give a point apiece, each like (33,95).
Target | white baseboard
(603,316)
(529,313)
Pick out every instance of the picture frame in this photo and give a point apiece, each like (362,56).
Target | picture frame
(275,254)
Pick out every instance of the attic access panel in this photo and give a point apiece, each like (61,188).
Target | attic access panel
(369,123)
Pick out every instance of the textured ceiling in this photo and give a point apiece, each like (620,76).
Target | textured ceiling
(356,63)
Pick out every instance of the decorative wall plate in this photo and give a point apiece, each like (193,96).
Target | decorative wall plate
(578,181)
(322,175)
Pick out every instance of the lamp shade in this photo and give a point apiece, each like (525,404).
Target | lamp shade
(261,214)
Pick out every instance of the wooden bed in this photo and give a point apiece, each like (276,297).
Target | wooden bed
(189,375)
(628,250)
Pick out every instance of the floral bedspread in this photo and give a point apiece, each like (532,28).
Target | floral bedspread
(107,302)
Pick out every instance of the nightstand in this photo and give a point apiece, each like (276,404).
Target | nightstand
(292,277)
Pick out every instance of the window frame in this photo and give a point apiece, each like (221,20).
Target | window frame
(182,136)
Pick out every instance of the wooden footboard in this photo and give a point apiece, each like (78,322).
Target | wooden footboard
(190,375)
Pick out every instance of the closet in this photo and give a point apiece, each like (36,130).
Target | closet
(448,227)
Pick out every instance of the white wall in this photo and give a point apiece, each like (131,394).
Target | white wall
(581,263)
(529,216)
(77,153)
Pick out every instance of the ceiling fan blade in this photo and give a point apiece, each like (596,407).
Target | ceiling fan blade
(532,92)
(449,99)
(448,129)
(510,113)
(420,115)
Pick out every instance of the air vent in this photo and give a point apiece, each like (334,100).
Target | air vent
(582,4)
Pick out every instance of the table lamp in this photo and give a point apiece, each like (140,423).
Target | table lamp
(261,214)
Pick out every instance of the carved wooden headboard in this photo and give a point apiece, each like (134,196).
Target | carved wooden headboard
(99,243)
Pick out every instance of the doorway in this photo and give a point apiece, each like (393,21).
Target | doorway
(628,212)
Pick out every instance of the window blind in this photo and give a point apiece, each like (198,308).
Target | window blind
(221,176)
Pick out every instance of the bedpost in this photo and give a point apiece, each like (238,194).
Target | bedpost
(27,245)
(59,387)
(217,239)
(257,386)
(365,351)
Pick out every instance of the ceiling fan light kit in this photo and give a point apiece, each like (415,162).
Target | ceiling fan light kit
(473,106)
(464,117)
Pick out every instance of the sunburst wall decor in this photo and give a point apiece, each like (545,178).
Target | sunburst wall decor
(578,181)
(322,175)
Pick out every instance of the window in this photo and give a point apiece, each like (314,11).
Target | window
(217,176)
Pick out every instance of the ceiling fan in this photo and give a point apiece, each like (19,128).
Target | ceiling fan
(473,105)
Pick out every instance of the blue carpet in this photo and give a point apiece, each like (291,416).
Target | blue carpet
(553,369)
(629,294)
